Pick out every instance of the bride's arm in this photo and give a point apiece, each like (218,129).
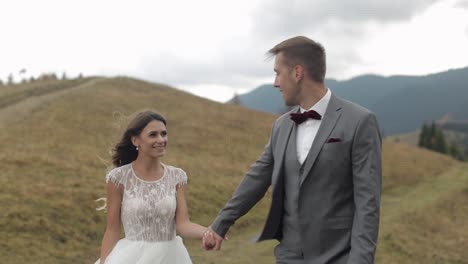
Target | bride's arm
(184,227)
(112,234)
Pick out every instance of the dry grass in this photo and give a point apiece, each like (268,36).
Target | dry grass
(427,223)
(13,94)
(55,152)
(444,231)
(56,155)
(407,165)
(435,234)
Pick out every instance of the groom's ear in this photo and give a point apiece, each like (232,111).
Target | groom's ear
(298,72)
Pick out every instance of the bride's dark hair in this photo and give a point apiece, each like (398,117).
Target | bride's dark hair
(124,151)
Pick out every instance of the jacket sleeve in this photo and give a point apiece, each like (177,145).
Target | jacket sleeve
(367,182)
(251,189)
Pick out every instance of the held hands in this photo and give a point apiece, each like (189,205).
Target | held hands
(211,240)
(208,240)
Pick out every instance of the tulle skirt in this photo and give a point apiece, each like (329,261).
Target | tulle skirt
(143,252)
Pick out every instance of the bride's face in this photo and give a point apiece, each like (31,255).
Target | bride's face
(152,141)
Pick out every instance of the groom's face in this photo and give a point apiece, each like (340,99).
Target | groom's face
(286,82)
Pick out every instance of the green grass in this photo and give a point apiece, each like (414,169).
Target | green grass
(55,153)
(426,223)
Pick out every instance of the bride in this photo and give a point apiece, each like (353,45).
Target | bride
(147,197)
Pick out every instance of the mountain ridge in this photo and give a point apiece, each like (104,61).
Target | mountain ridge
(401,102)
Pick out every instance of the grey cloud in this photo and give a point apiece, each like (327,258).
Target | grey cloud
(341,26)
(462,4)
(340,63)
(169,68)
(283,17)
(341,41)
(244,60)
(235,67)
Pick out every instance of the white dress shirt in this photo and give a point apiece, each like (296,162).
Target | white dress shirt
(307,130)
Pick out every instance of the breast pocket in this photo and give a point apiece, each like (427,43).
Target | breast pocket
(336,151)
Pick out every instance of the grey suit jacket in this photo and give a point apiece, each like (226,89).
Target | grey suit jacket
(339,196)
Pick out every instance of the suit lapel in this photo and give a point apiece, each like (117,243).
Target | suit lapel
(332,114)
(283,138)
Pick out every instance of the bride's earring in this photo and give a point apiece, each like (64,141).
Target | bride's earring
(137,148)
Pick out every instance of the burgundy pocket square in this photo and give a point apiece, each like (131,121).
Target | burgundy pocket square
(333,140)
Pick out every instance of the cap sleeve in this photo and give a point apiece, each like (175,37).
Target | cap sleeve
(116,176)
(182,178)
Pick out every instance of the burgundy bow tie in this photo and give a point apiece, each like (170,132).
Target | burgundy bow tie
(301,117)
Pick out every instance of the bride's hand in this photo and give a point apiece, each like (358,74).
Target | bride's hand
(208,240)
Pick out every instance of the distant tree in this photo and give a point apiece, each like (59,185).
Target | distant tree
(48,76)
(31,79)
(80,76)
(236,99)
(10,79)
(424,136)
(42,77)
(64,76)
(1,82)
(432,138)
(440,145)
(454,151)
(21,74)
(463,148)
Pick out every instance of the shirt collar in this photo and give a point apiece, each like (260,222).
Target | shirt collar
(321,106)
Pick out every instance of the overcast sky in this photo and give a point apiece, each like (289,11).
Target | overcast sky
(214,48)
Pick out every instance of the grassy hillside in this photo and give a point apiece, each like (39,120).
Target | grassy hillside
(426,222)
(55,156)
(13,94)
(55,152)
(407,165)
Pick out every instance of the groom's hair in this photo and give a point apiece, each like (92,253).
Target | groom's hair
(303,51)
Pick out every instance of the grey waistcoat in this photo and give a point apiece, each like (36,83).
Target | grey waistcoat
(292,173)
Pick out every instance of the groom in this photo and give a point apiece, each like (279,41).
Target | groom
(323,163)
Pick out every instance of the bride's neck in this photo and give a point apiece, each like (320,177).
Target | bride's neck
(147,164)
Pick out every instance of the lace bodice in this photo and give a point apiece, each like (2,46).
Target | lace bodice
(148,207)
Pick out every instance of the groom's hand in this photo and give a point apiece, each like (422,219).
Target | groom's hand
(208,241)
(218,240)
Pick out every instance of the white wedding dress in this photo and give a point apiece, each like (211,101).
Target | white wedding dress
(148,218)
